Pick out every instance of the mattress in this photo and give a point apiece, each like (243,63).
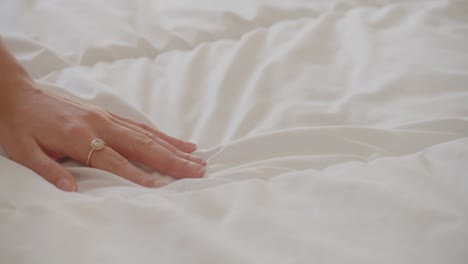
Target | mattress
(335,131)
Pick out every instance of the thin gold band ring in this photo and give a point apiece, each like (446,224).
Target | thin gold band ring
(96,145)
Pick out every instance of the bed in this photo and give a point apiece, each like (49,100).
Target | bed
(335,131)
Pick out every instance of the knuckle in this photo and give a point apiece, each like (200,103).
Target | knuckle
(171,163)
(116,163)
(73,129)
(144,126)
(184,155)
(64,119)
(185,163)
(141,139)
(143,131)
(94,115)
(169,147)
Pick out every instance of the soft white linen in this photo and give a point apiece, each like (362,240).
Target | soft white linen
(336,131)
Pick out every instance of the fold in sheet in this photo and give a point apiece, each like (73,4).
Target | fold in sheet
(335,131)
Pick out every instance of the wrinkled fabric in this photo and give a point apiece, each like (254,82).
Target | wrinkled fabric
(335,131)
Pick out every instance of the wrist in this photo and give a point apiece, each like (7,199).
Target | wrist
(13,75)
(13,88)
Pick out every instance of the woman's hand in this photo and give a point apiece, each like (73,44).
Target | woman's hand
(38,127)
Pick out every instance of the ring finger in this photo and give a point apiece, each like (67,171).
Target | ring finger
(109,160)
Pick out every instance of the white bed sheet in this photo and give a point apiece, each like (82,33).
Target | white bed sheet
(336,131)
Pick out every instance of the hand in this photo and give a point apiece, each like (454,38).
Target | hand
(38,127)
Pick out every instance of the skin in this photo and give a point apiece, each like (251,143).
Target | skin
(38,128)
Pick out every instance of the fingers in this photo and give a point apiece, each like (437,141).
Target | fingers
(184,146)
(140,148)
(124,144)
(126,140)
(33,157)
(161,142)
(109,160)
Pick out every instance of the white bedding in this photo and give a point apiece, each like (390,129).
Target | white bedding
(336,131)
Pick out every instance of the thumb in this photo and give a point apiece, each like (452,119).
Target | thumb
(35,159)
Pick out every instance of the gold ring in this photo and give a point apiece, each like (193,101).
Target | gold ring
(96,145)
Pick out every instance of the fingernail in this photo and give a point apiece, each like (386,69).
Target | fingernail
(158,183)
(198,160)
(191,145)
(198,170)
(65,184)
(203,172)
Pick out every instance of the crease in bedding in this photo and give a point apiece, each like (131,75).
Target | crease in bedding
(335,131)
